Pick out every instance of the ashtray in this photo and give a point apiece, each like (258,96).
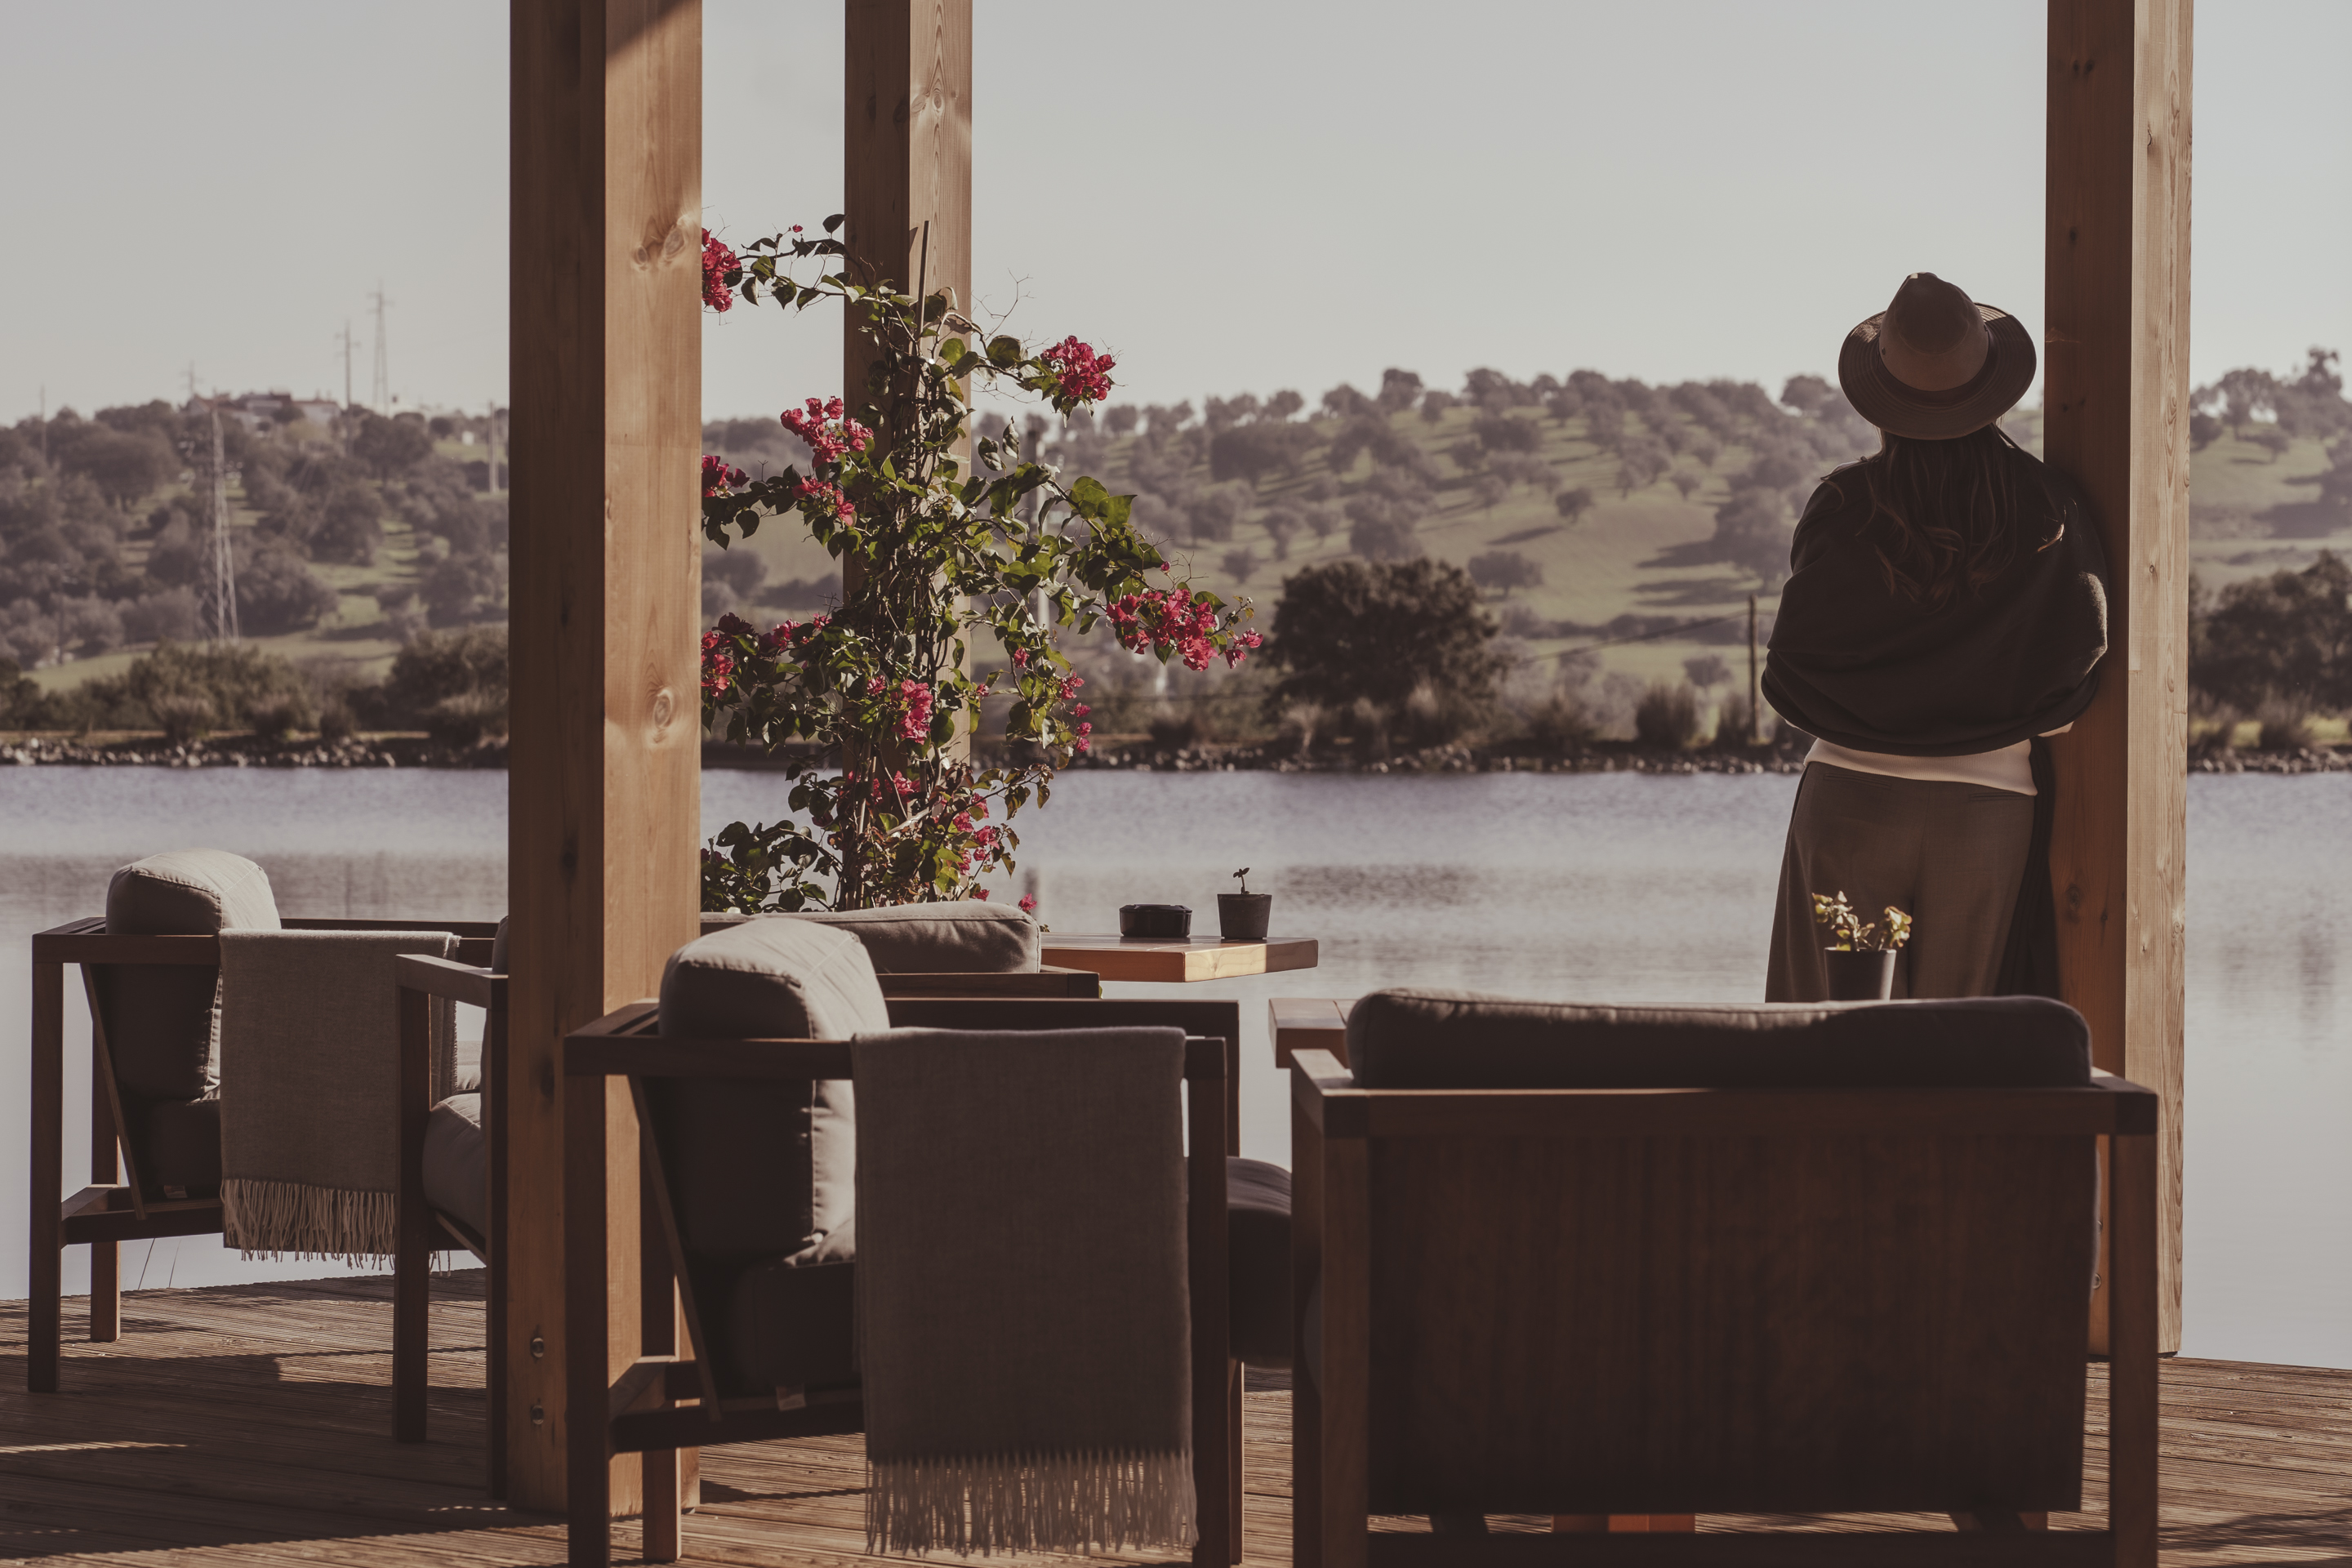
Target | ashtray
(1155,919)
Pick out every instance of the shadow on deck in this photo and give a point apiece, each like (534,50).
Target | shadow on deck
(253,1424)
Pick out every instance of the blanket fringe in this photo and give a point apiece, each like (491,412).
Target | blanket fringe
(1070,1502)
(286,1221)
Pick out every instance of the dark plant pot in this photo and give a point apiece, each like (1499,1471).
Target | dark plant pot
(1861,976)
(1241,917)
(1162,920)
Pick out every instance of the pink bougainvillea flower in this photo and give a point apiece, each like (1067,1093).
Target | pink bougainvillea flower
(1080,374)
(980,893)
(718,261)
(1028,905)
(824,429)
(717,478)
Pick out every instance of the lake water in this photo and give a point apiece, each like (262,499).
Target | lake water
(1610,886)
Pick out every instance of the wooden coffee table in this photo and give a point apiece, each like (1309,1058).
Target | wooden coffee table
(1181,959)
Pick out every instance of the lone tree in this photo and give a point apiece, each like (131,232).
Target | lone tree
(1572,504)
(1505,569)
(1376,631)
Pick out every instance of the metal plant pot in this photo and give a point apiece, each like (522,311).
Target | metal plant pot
(1859,977)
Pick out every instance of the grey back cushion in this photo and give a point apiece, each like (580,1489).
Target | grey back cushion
(1452,1040)
(963,938)
(757,1168)
(163,1020)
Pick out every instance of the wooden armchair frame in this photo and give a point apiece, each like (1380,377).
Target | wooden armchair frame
(1338,1133)
(422,1229)
(665,1405)
(119,1205)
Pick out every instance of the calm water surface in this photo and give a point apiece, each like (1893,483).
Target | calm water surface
(1606,888)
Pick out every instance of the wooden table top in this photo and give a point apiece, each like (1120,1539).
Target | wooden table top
(1176,959)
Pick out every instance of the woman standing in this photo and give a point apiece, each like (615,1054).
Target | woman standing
(1946,607)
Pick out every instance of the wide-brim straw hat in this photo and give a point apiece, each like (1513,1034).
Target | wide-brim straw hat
(1935,365)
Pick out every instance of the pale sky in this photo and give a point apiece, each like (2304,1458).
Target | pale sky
(1231,196)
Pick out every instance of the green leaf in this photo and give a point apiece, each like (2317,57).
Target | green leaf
(1004,350)
(834,222)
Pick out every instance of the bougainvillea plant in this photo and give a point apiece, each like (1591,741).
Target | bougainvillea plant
(957,582)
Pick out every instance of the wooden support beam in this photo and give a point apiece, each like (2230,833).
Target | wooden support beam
(2116,396)
(605,364)
(908,160)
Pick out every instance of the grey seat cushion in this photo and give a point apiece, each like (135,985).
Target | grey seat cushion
(457,1162)
(162,1021)
(1451,1039)
(759,1169)
(467,1078)
(180,1144)
(1258,1248)
(789,1324)
(962,938)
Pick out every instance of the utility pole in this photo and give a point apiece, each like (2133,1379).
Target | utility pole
(347,365)
(1755,682)
(490,483)
(380,396)
(45,424)
(223,604)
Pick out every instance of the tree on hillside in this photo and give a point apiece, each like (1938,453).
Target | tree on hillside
(1604,424)
(1433,404)
(1468,455)
(1239,563)
(2284,638)
(1806,393)
(391,446)
(351,526)
(1685,478)
(1572,504)
(1490,489)
(1122,420)
(1640,460)
(1751,531)
(1707,670)
(277,592)
(125,466)
(1503,433)
(1252,451)
(1399,388)
(1377,632)
(1282,524)
(2272,440)
(1283,404)
(2203,430)
(1344,402)
(1505,569)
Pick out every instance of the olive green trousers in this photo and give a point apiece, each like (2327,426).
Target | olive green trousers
(1949,854)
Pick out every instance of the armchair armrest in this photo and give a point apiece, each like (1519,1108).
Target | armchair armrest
(1079,983)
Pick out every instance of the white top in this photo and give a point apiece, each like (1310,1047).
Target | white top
(2010,768)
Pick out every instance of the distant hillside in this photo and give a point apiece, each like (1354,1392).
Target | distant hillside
(1595,509)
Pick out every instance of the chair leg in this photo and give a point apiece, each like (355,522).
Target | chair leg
(665,1502)
(46,1111)
(412,1269)
(105,1170)
(1234,1382)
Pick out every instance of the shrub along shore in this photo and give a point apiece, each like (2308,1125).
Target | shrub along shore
(412,749)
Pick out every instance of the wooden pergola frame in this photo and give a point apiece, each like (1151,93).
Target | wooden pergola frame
(606,372)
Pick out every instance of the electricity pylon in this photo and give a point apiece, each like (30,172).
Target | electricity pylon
(380,395)
(223,608)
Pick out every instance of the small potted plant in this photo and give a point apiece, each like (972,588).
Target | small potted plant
(1862,959)
(1241,917)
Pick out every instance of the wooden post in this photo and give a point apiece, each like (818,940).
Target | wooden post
(908,161)
(2116,402)
(606,366)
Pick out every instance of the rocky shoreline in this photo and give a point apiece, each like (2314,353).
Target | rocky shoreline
(418,751)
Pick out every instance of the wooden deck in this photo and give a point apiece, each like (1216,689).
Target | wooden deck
(253,1424)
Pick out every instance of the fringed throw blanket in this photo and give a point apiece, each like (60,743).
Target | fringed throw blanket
(310,1085)
(1020,1290)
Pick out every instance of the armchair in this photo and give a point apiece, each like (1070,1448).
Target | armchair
(151,969)
(756,1232)
(1715,1259)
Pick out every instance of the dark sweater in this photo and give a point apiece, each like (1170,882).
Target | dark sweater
(1862,665)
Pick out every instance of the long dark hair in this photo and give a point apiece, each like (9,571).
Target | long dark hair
(1947,515)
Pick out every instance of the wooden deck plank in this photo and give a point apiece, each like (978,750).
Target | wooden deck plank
(251,1424)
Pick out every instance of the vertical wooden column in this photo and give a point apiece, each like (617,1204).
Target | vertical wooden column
(2116,419)
(907,159)
(603,810)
